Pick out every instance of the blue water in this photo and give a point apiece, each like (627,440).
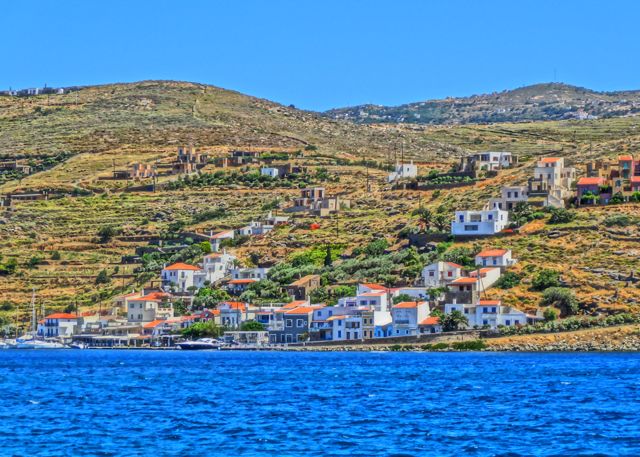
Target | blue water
(144,403)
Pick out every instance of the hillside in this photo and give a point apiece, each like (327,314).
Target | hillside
(539,102)
(56,246)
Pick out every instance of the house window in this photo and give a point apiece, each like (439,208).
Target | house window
(431,274)
(485,310)
(450,273)
(516,322)
(466,310)
(490,216)
(339,333)
(299,323)
(471,228)
(485,322)
(461,218)
(289,322)
(372,302)
(493,309)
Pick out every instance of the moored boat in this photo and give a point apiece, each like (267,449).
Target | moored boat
(199,344)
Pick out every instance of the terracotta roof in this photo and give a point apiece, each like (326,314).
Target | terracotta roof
(302,281)
(635,179)
(464,280)
(372,294)
(222,234)
(454,265)
(597,181)
(407,304)
(550,159)
(153,296)
(489,302)
(374,286)
(181,266)
(483,272)
(302,310)
(430,321)
(625,158)
(335,318)
(242,281)
(61,316)
(294,304)
(154,324)
(492,253)
(235,305)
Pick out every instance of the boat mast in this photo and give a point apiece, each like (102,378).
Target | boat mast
(34,321)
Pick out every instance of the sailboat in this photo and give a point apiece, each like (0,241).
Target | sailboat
(30,340)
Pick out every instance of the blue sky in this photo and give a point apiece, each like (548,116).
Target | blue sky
(324,54)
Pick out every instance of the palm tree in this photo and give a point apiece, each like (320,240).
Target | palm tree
(453,321)
(425,218)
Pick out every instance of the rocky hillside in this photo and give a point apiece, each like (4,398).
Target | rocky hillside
(540,102)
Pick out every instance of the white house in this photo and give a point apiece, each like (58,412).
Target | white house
(272,172)
(492,160)
(216,238)
(58,325)
(148,308)
(402,171)
(487,277)
(249,273)
(182,276)
(255,228)
(495,258)
(488,313)
(440,273)
(407,315)
(430,325)
(217,265)
(417,293)
(376,300)
(486,222)
(510,196)
(370,287)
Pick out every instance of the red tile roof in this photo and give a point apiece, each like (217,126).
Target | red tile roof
(625,158)
(303,310)
(430,321)
(407,304)
(154,324)
(374,286)
(492,253)
(550,159)
(454,265)
(373,294)
(181,266)
(635,179)
(596,181)
(222,234)
(61,316)
(489,302)
(294,304)
(153,296)
(464,280)
(235,305)
(302,281)
(242,281)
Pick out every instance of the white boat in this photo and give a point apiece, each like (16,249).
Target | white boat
(77,345)
(199,344)
(33,343)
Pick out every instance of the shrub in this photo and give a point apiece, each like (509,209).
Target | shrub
(440,346)
(106,233)
(395,347)
(103,278)
(55,255)
(475,345)
(508,280)
(544,279)
(561,216)
(550,315)
(251,326)
(561,298)
(376,248)
(618,220)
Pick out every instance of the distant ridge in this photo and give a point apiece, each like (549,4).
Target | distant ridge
(538,102)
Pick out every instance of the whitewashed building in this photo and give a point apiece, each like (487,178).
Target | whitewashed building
(489,313)
(486,222)
(406,316)
(403,171)
(217,265)
(495,258)
(182,277)
(440,273)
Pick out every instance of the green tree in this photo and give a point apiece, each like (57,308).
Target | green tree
(327,258)
(205,247)
(55,255)
(460,255)
(425,218)
(442,222)
(207,329)
(544,279)
(561,216)
(453,321)
(562,298)
(550,314)
(251,326)
(522,213)
(376,248)
(103,278)
(403,297)
(106,233)
(508,280)
(617,199)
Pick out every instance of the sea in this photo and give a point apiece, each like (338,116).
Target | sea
(235,403)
